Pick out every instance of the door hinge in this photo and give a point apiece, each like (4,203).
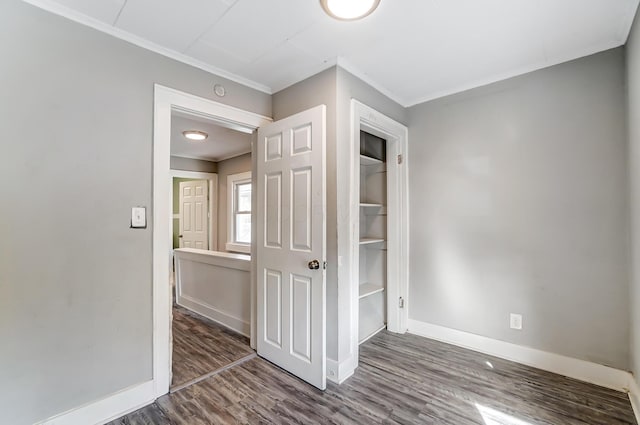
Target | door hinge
(399,159)
(401,302)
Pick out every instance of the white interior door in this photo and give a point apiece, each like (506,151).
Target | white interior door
(291,228)
(194,221)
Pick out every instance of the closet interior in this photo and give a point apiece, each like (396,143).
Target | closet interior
(372,249)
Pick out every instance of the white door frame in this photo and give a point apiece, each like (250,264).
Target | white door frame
(213,199)
(368,119)
(165,101)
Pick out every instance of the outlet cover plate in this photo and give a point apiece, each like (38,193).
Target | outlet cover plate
(515,321)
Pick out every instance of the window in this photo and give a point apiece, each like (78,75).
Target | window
(239,212)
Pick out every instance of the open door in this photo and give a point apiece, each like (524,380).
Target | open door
(291,233)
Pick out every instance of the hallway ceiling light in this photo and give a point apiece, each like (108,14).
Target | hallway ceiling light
(349,10)
(195,135)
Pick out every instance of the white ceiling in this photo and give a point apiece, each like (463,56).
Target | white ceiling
(222,143)
(411,50)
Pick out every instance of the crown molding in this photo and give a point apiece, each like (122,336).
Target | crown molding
(65,12)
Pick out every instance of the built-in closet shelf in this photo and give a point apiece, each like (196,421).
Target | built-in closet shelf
(369,205)
(367,241)
(367,289)
(367,160)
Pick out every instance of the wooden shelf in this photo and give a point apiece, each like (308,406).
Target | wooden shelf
(367,289)
(369,205)
(367,160)
(367,241)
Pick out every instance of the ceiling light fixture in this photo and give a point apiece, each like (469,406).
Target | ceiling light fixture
(195,135)
(349,10)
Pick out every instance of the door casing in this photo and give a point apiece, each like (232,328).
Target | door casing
(167,100)
(368,119)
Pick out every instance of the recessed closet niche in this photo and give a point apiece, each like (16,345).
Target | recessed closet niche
(373,236)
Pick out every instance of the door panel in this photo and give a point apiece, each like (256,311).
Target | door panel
(194,211)
(291,233)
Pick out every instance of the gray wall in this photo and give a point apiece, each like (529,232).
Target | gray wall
(239,164)
(633,121)
(318,90)
(189,164)
(518,203)
(75,281)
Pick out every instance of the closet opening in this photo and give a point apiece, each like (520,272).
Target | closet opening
(379,229)
(372,247)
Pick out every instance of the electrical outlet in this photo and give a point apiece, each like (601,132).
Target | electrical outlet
(516,321)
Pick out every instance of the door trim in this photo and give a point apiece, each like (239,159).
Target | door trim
(165,101)
(366,118)
(213,198)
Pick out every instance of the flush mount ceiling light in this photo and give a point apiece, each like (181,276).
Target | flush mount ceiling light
(349,10)
(195,135)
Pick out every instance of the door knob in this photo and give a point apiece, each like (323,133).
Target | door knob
(314,264)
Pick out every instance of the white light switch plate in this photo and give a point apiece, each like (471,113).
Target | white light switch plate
(138,217)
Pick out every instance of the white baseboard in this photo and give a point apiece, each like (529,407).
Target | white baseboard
(582,370)
(214,314)
(340,372)
(106,409)
(634,398)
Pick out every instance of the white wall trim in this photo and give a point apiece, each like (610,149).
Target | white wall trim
(634,397)
(108,408)
(338,372)
(60,10)
(397,135)
(214,160)
(547,63)
(212,178)
(582,370)
(353,70)
(167,100)
(224,319)
(197,175)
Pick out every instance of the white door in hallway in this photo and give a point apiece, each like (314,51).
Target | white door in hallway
(194,212)
(291,229)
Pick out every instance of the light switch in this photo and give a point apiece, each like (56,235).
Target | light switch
(138,218)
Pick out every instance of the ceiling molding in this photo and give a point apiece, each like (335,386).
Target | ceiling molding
(617,39)
(235,155)
(344,64)
(211,159)
(116,32)
(517,72)
(317,70)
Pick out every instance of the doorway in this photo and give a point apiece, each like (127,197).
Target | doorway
(210,324)
(289,202)
(170,103)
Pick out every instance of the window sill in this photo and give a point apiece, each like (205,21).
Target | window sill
(238,247)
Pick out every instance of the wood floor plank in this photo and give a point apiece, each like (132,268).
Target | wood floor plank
(201,346)
(401,379)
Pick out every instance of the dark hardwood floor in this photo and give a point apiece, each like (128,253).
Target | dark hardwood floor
(201,346)
(402,379)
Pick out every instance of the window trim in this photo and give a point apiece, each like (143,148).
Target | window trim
(232,181)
